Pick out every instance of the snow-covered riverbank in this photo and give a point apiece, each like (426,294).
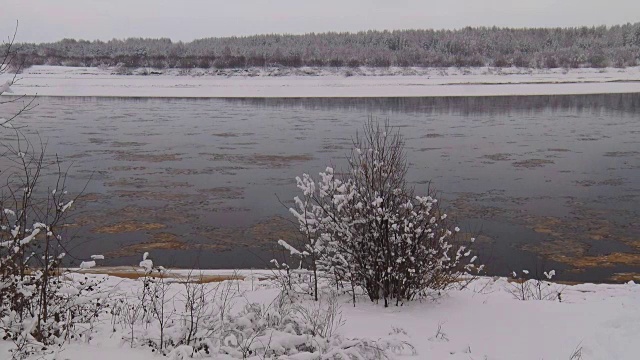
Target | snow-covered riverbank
(483,321)
(312,82)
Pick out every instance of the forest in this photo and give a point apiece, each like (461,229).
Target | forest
(574,47)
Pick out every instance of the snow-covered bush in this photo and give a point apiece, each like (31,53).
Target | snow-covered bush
(68,312)
(172,316)
(39,306)
(536,286)
(189,318)
(288,329)
(369,229)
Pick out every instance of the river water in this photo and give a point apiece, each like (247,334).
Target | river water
(545,181)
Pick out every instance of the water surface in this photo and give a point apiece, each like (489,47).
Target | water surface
(548,181)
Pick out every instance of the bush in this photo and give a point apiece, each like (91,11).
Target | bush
(535,286)
(190,318)
(501,62)
(368,228)
(39,308)
(598,60)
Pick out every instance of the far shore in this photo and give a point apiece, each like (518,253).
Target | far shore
(322,82)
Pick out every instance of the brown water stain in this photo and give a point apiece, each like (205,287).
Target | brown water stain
(466,206)
(431,136)
(224,192)
(178,172)
(274,229)
(128,226)
(263,233)
(270,160)
(498,157)
(158,241)
(246,143)
(145,183)
(608,182)
(127,168)
(128,182)
(569,238)
(78,155)
(89,197)
(599,261)
(532,163)
(559,150)
(229,134)
(127,144)
(480,239)
(224,238)
(152,195)
(97,141)
(278,160)
(165,214)
(625,277)
(229,209)
(145,157)
(621,153)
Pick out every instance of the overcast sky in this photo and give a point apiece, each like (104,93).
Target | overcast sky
(49,20)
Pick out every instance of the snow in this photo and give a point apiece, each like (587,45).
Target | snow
(5,88)
(87,264)
(328,82)
(147,265)
(27,239)
(288,247)
(493,325)
(64,207)
(482,321)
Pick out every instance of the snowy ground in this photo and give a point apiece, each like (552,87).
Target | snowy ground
(481,322)
(324,82)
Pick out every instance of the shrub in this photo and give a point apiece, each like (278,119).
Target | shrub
(192,319)
(536,286)
(39,308)
(368,227)
(598,60)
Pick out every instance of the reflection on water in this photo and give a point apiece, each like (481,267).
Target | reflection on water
(629,103)
(552,176)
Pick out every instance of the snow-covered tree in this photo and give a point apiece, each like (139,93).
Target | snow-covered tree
(368,227)
(481,46)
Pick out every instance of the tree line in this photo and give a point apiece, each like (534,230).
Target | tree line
(601,46)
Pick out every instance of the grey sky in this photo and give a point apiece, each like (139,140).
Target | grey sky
(52,20)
